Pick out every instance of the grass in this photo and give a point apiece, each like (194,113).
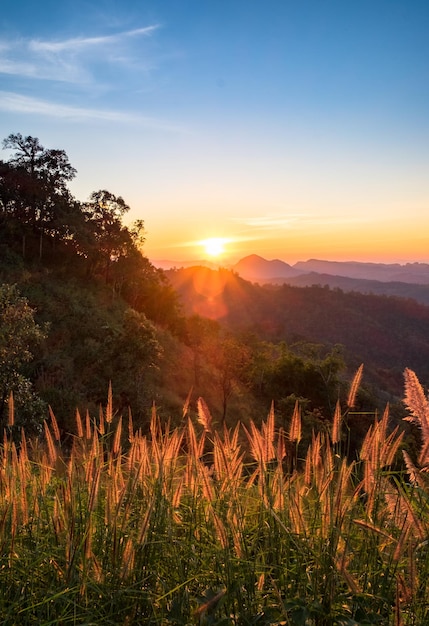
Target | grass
(195,526)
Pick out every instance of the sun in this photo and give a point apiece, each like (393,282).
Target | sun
(215,246)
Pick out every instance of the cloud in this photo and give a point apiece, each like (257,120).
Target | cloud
(79,43)
(298,220)
(17,103)
(70,60)
(272,222)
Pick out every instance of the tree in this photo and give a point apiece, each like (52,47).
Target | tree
(33,185)
(230,358)
(18,333)
(109,239)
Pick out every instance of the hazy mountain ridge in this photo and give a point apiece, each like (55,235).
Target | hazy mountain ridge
(257,269)
(385,272)
(254,267)
(410,280)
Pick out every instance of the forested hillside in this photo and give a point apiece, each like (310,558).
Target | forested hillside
(386,333)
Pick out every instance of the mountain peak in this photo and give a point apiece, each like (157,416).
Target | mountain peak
(254,267)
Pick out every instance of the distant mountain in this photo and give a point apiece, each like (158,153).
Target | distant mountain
(255,268)
(405,281)
(398,289)
(417,273)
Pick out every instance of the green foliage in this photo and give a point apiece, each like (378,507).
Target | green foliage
(18,335)
(94,339)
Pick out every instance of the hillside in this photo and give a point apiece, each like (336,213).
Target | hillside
(386,333)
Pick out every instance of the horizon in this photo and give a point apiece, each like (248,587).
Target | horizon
(289,130)
(229,263)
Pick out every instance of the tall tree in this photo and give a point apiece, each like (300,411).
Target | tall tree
(110,239)
(34,185)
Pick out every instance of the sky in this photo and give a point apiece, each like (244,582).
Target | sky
(291,129)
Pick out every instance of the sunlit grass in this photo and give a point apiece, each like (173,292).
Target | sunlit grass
(197,526)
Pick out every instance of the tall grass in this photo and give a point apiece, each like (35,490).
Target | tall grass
(195,525)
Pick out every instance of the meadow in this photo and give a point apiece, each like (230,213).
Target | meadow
(201,525)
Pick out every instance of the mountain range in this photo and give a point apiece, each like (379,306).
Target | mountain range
(410,280)
(256,268)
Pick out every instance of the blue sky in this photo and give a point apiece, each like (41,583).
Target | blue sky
(293,129)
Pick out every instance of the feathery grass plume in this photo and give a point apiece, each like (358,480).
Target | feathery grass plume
(94,490)
(208,491)
(308,467)
(351,400)
(220,529)
(235,527)
(95,449)
(390,447)
(128,558)
(141,539)
(22,493)
(278,488)
(268,433)
(345,495)
(79,427)
(177,496)
(195,447)
(417,403)
(204,415)
(130,426)
(295,424)
(297,514)
(109,407)
(101,427)
(424,456)
(281,445)
(52,452)
(116,446)
(400,509)
(155,424)
(187,403)
(172,447)
(54,423)
(88,429)
(45,472)
(336,424)
(23,453)
(415,475)
(315,448)
(11,410)
(227,462)
(256,443)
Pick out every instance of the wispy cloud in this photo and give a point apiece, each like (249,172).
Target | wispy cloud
(269,222)
(71,59)
(17,103)
(79,43)
(296,220)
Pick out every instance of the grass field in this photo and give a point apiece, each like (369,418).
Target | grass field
(197,526)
